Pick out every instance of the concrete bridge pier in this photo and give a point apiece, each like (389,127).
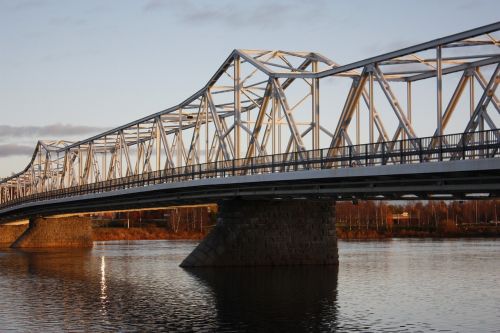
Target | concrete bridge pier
(63,232)
(10,233)
(269,233)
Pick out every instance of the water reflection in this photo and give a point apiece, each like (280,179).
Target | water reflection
(397,286)
(84,291)
(273,298)
(62,263)
(104,296)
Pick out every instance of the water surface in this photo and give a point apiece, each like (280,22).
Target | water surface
(392,286)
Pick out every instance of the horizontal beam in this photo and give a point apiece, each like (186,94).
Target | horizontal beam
(413,49)
(455,69)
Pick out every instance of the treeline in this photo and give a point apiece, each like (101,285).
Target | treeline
(429,216)
(359,220)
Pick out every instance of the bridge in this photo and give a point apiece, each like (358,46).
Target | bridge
(416,123)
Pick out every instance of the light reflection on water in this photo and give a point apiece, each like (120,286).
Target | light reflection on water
(399,285)
(104,297)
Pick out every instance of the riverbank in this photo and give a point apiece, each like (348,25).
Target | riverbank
(156,233)
(374,235)
(149,233)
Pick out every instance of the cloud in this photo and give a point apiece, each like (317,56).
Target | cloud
(66,21)
(15,149)
(261,14)
(154,4)
(24,4)
(54,131)
(469,5)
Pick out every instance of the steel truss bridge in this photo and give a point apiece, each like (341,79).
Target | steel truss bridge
(256,129)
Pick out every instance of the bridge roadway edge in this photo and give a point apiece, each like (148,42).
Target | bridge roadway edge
(392,181)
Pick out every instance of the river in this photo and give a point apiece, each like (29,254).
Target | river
(398,285)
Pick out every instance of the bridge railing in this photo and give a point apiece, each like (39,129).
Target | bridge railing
(476,145)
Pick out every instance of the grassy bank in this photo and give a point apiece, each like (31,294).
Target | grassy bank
(150,233)
(346,234)
(155,233)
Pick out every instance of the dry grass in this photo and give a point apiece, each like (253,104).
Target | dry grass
(489,231)
(152,233)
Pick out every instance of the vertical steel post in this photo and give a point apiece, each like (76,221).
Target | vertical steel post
(372,110)
(249,120)
(158,143)
(104,168)
(358,124)
(237,107)
(408,114)
(439,92)
(206,130)
(471,95)
(198,143)
(279,128)
(274,114)
(408,105)
(120,158)
(315,107)
(180,143)
(79,165)
(57,173)
(138,159)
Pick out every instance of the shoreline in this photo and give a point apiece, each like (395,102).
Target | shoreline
(150,233)
(157,233)
(373,234)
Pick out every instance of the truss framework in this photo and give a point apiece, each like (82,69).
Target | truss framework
(261,103)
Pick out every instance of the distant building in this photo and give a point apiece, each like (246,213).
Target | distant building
(404,218)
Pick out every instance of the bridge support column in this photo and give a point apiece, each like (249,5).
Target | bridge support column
(269,233)
(10,233)
(74,232)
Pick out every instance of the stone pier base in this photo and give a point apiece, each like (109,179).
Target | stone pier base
(269,233)
(10,233)
(56,232)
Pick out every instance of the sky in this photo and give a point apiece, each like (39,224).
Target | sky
(71,69)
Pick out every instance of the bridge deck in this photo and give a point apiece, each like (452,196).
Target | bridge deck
(413,171)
